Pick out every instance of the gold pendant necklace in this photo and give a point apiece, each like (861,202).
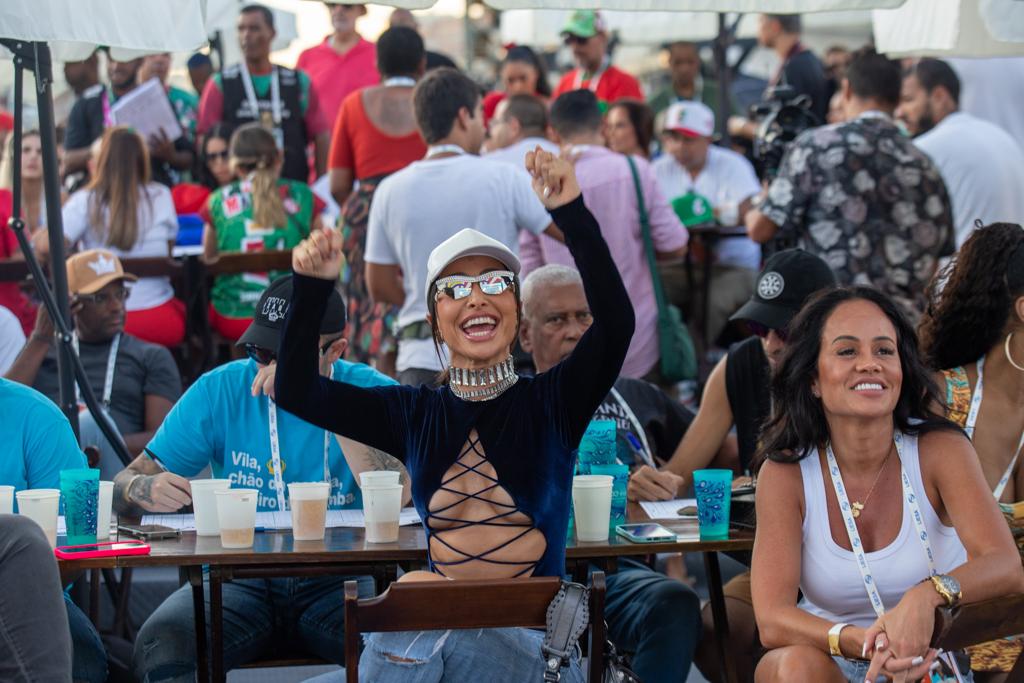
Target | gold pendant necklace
(857,505)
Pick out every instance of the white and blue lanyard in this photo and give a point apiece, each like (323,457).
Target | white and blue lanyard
(275,452)
(972,420)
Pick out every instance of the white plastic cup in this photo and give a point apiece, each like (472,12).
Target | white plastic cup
(204,504)
(592,506)
(382,504)
(236,512)
(376,478)
(40,505)
(6,500)
(106,500)
(309,509)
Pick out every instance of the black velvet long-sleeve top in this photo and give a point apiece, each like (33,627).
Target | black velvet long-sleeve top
(529,432)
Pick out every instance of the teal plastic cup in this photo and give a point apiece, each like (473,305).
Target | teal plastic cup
(597,447)
(713,489)
(80,490)
(620,482)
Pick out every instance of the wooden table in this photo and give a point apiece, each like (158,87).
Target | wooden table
(345,551)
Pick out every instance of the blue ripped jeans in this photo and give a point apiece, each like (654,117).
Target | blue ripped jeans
(495,655)
(262,617)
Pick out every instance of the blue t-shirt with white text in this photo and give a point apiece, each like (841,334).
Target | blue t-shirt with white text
(219,422)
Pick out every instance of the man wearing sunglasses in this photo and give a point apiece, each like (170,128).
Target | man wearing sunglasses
(225,421)
(587,36)
(737,395)
(136,382)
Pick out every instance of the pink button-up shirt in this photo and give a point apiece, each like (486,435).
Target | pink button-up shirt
(609,193)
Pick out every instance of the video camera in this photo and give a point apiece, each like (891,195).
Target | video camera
(780,116)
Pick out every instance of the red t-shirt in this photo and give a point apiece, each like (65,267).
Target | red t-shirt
(335,76)
(614,84)
(359,145)
(11,296)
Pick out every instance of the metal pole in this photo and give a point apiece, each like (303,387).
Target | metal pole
(55,224)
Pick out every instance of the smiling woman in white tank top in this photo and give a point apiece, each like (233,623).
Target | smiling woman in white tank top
(869,503)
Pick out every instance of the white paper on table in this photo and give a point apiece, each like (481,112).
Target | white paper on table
(184,522)
(282,520)
(667,509)
(148,110)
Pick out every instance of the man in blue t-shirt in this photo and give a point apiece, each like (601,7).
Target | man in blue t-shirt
(38,443)
(225,421)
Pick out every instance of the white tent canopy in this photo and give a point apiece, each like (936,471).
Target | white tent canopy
(129,27)
(941,28)
(776,6)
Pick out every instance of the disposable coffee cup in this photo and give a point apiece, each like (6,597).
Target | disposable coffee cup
(204,504)
(309,509)
(236,513)
(6,500)
(382,505)
(103,511)
(592,506)
(367,479)
(40,505)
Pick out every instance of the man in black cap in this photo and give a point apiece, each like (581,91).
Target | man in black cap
(226,422)
(737,395)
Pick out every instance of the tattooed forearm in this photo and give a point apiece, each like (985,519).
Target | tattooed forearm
(131,483)
(380,461)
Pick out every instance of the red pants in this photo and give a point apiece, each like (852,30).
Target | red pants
(229,328)
(163,324)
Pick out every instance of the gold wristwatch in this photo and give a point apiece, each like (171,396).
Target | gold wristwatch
(948,587)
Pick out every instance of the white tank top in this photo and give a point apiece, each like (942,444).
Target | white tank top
(829,577)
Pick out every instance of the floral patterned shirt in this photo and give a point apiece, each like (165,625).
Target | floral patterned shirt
(864,198)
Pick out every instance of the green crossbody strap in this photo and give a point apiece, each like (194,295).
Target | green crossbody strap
(645,232)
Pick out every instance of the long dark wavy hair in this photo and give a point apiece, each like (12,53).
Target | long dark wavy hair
(797,424)
(968,314)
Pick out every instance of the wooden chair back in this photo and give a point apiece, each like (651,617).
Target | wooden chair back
(979,622)
(469,604)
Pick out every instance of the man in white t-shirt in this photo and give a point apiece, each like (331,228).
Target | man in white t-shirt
(692,165)
(987,85)
(427,202)
(12,339)
(980,163)
(519,126)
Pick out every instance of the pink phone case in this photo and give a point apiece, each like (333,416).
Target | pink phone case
(106,549)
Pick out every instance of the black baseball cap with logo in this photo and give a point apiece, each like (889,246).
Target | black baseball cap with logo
(265,330)
(788,279)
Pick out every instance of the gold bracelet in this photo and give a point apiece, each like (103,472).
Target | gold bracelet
(833,639)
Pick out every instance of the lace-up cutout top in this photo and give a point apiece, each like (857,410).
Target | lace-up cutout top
(492,480)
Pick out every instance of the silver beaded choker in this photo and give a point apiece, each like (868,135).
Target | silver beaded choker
(482,384)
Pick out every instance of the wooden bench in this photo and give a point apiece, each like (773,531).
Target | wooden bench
(979,622)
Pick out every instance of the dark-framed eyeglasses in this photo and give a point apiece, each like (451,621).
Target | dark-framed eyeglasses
(214,156)
(763,330)
(104,298)
(260,355)
(458,287)
(571,40)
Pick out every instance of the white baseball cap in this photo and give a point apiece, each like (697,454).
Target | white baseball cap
(692,119)
(467,242)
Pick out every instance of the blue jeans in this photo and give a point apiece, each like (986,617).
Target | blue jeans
(495,655)
(88,658)
(655,618)
(262,617)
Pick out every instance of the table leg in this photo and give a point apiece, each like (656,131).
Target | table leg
(94,597)
(195,579)
(216,625)
(718,612)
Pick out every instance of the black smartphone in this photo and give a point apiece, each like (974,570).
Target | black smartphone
(148,532)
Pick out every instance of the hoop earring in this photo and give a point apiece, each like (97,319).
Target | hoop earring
(1006,348)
